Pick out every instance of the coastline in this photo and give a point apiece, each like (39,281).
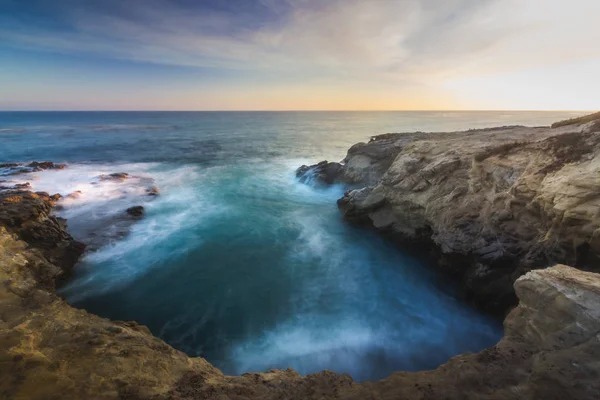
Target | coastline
(70,353)
(489,204)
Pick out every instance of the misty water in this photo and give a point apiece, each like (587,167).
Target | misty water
(235,260)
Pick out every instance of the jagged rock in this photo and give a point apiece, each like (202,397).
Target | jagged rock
(323,172)
(18,168)
(16,186)
(9,165)
(39,166)
(21,186)
(51,350)
(511,199)
(27,215)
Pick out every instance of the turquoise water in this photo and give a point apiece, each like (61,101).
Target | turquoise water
(238,262)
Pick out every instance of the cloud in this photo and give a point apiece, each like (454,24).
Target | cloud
(420,39)
(395,44)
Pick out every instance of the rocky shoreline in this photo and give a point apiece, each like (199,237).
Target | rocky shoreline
(439,188)
(491,204)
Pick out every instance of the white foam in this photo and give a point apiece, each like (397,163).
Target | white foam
(183,203)
(304,343)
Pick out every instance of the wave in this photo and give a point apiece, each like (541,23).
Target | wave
(96,208)
(245,266)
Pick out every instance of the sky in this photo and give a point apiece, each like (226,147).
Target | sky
(299,54)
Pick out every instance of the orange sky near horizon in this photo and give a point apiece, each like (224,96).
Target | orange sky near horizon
(302,55)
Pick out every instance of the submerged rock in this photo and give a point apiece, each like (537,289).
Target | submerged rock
(152,191)
(136,211)
(21,186)
(108,226)
(75,195)
(16,186)
(116,176)
(39,166)
(35,166)
(9,165)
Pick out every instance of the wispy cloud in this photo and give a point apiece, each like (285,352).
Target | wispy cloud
(416,37)
(408,42)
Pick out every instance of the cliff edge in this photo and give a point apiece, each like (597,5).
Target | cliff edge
(492,203)
(50,350)
(550,350)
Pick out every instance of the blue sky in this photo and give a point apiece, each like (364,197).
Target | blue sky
(299,54)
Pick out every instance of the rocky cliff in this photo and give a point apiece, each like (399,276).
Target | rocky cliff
(551,347)
(492,203)
(50,350)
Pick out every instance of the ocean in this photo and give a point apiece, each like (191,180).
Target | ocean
(236,261)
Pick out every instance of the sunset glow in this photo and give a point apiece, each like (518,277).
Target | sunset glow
(299,55)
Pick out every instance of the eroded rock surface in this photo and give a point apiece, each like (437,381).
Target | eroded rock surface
(50,350)
(495,203)
(27,214)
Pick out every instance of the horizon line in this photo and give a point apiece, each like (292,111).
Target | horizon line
(291,110)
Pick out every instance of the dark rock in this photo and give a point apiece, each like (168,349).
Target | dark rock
(136,211)
(39,166)
(323,172)
(35,166)
(20,186)
(27,215)
(16,187)
(9,165)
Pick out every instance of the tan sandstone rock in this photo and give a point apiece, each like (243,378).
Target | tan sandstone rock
(495,203)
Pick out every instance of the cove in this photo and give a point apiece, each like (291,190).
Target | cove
(238,262)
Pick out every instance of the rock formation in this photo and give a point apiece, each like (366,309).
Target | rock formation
(18,168)
(50,350)
(27,214)
(551,346)
(494,203)
(323,172)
